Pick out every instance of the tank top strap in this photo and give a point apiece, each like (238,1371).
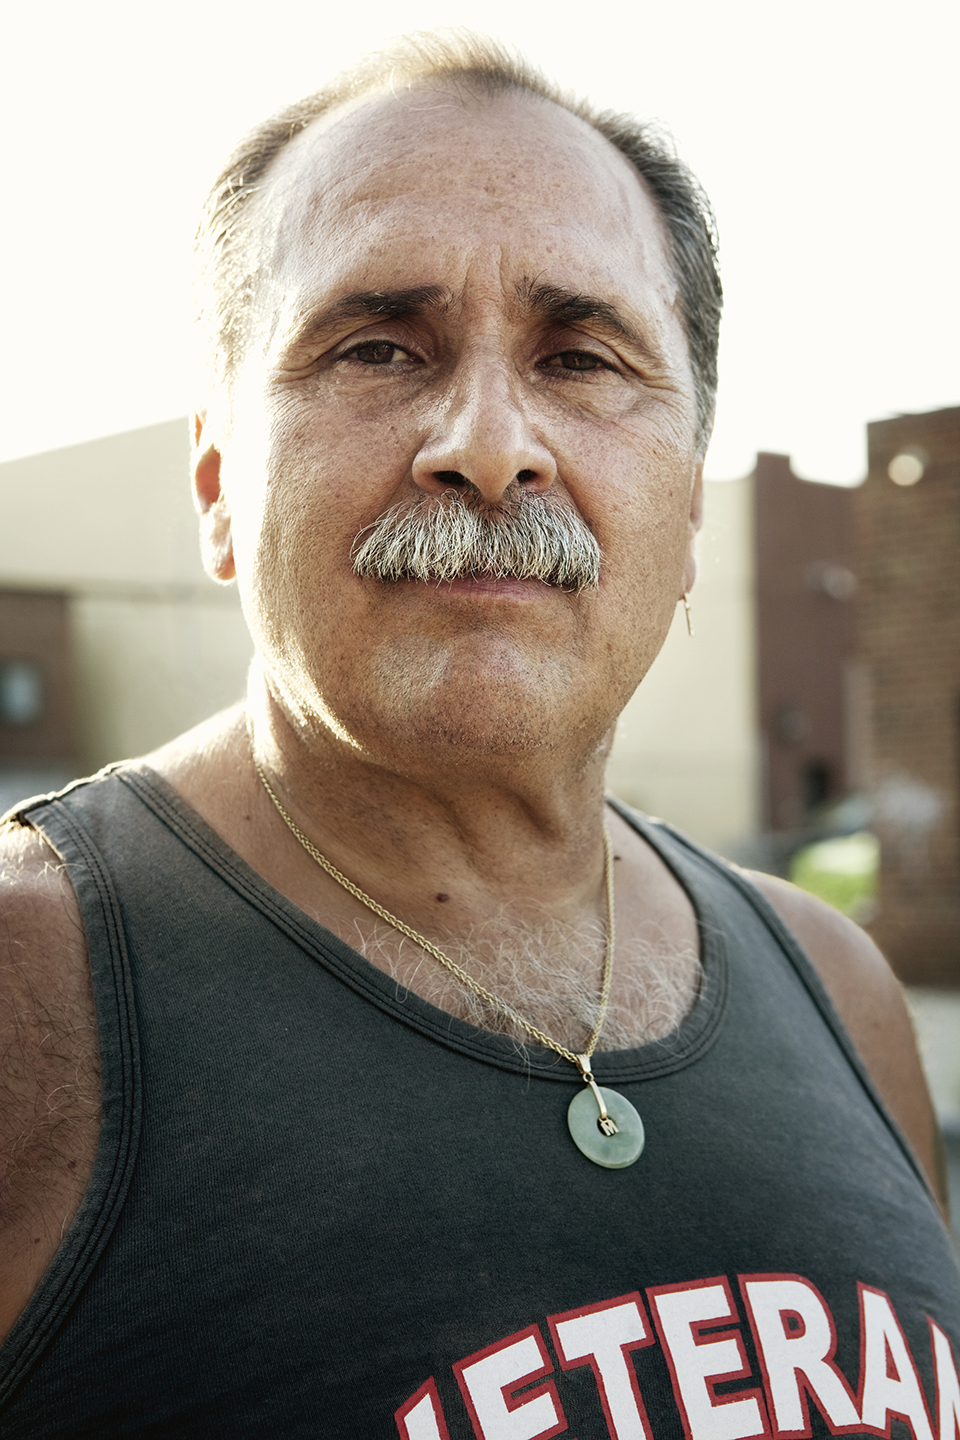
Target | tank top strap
(719,877)
(59,819)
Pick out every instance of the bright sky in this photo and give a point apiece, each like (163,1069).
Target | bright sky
(825,133)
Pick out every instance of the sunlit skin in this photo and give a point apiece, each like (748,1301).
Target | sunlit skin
(483,226)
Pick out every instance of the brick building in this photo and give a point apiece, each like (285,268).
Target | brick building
(112,638)
(906,534)
(804,586)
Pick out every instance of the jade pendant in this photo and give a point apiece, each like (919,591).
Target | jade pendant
(613,1152)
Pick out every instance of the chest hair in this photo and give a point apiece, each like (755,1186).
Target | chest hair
(551,974)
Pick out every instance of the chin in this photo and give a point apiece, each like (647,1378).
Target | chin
(480,718)
(425,699)
(494,724)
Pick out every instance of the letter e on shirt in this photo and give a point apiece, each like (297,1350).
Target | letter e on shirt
(489,1379)
(698,1362)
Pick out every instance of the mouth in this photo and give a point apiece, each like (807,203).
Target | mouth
(478,587)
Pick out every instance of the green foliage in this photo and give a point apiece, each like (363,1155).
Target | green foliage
(843,872)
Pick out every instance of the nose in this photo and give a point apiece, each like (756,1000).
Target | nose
(483,437)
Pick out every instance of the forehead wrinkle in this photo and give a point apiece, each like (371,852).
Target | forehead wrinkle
(364,154)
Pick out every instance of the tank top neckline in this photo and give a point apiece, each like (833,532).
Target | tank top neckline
(665,1056)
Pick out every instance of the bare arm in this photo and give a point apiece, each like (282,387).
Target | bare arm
(870,1003)
(49,1074)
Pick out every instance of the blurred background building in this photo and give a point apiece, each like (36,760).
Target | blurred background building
(908,643)
(112,639)
(810,727)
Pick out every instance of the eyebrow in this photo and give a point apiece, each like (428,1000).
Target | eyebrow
(377,305)
(563,306)
(559,304)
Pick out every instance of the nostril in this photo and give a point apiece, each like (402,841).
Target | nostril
(450,477)
(526,475)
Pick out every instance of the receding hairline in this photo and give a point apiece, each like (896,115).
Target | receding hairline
(458,90)
(267,207)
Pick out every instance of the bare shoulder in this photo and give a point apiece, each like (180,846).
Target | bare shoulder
(49,1074)
(41,933)
(870,1002)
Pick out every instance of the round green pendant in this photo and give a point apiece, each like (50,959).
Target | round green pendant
(613,1152)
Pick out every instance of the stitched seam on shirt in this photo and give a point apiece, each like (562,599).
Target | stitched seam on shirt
(112,1172)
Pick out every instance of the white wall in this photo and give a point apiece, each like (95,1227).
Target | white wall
(686,747)
(157,645)
(148,669)
(114,511)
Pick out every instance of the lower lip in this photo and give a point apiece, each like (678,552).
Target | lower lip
(483,587)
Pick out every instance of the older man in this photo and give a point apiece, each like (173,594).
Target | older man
(439,1097)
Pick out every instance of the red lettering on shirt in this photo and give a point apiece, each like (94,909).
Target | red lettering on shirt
(489,1378)
(889,1383)
(420,1417)
(948,1385)
(698,1327)
(602,1337)
(698,1362)
(796,1340)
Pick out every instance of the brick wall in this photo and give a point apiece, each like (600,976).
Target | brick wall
(907,559)
(804,589)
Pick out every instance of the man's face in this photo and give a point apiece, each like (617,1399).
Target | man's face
(456,296)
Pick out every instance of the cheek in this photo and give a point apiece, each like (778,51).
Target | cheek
(643,531)
(333,467)
(640,514)
(285,499)
(322,487)
(302,550)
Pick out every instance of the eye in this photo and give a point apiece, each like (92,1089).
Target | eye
(580,360)
(375,352)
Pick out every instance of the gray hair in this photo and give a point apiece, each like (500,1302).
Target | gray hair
(225,250)
(528,537)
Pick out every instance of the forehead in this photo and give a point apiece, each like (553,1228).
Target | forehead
(430,187)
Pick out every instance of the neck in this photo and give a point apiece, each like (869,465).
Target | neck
(502,870)
(521,971)
(501,829)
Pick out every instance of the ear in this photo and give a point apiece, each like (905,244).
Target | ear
(216,537)
(695,521)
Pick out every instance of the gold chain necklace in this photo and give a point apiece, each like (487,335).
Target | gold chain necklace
(606,1124)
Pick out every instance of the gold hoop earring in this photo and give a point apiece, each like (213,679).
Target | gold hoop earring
(686,605)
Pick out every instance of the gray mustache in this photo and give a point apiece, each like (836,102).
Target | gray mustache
(450,538)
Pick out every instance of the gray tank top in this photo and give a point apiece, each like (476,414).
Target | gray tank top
(323,1208)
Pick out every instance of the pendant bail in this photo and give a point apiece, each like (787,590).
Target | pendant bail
(606,1123)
